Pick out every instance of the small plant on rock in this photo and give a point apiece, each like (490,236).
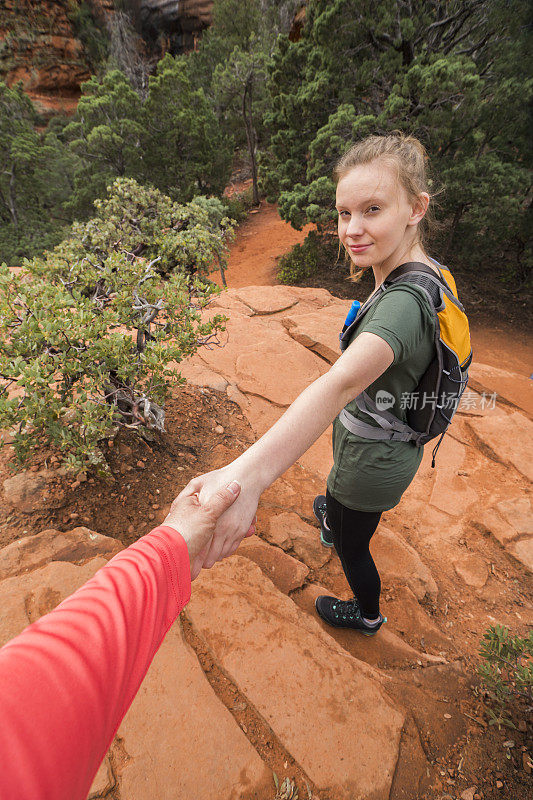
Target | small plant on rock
(287,789)
(506,670)
(316,251)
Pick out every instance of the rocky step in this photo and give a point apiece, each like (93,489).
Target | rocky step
(314,696)
(384,650)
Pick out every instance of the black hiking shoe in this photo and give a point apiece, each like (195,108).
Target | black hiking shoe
(345,614)
(319,510)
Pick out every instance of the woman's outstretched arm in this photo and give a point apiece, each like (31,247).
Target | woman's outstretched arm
(299,427)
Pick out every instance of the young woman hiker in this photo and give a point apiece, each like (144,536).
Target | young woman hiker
(382,202)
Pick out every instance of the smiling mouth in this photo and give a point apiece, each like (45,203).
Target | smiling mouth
(358,247)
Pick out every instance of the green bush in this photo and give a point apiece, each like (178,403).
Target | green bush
(142,221)
(304,260)
(93,332)
(506,671)
(239,204)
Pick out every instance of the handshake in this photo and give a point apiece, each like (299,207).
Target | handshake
(213,514)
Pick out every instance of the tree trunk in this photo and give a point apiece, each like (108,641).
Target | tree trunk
(11,198)
(451,236)
(222,274)
(250,138)
(408,53)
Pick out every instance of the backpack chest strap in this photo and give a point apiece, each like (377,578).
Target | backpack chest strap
(391,428)
(366,431)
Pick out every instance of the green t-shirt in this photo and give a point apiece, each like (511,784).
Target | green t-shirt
(370,475)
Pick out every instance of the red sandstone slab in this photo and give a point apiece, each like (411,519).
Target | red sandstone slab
(327,708)
(510,437)
(319,330)
(511,386)
(200,375)
(25,598)
(181,740)
(78,545)
(290,532)
(285,572)
(262,360)
(451,492)
(266,299)
(399,563)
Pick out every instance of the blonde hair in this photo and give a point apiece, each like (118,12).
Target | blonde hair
(409,158)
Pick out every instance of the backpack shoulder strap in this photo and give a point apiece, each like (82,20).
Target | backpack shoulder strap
(412,272)
(423,276)
(415,266)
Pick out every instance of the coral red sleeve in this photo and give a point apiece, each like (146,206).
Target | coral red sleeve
(67,680)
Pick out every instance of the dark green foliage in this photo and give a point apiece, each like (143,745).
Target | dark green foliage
(307,258)
(506,670)
(171,140)
(455,75)
(185,152)
(234,23)
(92,332)
(240,86)
(106,133)
(91,33)
(34,179)
(231,66)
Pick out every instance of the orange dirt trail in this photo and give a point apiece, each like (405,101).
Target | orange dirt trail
(259,243)
(264,237)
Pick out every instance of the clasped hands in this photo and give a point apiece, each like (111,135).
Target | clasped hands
(213,513)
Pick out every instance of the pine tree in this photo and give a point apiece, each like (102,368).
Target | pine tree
(34,179)
(231,65)
(170,140)
(454,74)
(240,87)
(184,150)
(106,133)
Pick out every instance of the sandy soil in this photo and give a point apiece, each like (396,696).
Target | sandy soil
(259,243)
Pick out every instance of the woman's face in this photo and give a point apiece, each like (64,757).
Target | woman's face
(377,223)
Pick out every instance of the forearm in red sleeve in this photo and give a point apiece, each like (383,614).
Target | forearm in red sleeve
(67,680)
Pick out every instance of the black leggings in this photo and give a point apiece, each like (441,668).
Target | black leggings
(351,532)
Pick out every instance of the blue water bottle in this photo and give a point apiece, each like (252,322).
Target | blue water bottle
(353,312)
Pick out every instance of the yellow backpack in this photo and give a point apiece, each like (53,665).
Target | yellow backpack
(434,401)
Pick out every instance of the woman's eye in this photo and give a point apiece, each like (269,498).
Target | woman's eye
(373,208)
(343,213)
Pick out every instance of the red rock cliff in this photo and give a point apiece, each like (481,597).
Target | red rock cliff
(38,46)
(179,21)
